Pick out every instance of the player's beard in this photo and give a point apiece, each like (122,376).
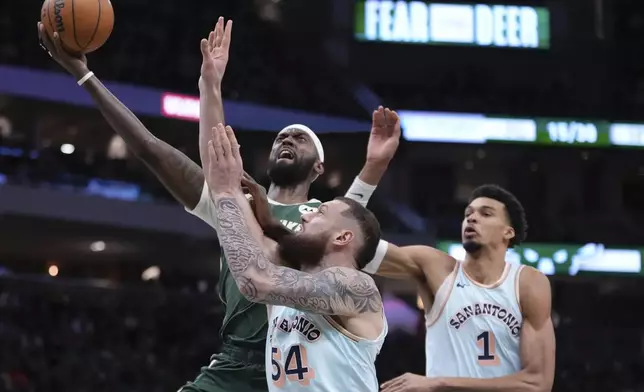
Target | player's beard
(471,246)
(290,174)
(299,251)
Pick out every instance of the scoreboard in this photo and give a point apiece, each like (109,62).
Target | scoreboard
(481,129)
(485,25)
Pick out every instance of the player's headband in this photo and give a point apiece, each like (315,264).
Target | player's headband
(316,141)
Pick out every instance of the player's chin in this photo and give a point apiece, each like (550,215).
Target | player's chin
(471,246)
(284,162)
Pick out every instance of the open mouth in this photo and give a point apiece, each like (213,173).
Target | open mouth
(286,154)
(469,231)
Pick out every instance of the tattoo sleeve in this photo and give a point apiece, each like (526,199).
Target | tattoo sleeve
(182,177)
(334,291)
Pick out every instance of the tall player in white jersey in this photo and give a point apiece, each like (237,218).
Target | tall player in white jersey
(326,320)
(488,321)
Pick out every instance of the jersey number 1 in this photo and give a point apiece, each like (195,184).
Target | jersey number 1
(487,343)
(296,366)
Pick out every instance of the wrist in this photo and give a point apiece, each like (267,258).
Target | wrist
(79,72)
(209,89)
(372,172)
(441,384)
(377,164)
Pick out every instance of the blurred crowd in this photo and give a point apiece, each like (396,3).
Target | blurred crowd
(263,68)
(61,336)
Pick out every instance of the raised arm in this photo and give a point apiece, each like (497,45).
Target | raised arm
(179,174)
(214,51)
(383,143)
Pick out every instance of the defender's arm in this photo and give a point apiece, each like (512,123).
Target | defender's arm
(417,262)
(338,291)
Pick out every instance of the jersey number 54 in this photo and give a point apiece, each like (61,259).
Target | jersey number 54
(295,368)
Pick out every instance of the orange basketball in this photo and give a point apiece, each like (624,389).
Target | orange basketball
(83,25)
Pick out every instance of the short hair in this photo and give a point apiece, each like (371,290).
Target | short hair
(513,209)
(369,227)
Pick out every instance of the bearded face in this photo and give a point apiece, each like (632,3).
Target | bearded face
(302,250)
(292,159)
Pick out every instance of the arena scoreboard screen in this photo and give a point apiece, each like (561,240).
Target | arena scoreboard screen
(487,25)
(472,128)
(566,259)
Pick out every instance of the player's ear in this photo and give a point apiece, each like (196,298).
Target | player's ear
(509,233)
(343,238)
(318,168)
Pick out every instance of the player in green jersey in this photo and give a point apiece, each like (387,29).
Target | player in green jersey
(239,365)
(295,161)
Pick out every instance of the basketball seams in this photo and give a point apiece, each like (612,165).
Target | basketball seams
(78,45)
(98,24)
(87,25)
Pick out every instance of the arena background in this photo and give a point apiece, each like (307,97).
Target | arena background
(107,285)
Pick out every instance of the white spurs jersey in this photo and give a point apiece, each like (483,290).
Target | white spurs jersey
(311,352)
(473,329)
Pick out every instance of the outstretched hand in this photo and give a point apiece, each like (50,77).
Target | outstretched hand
(215,54)
(272,227)
(411,383)
(75,64)
(258,201)
(224,173)
(385,136)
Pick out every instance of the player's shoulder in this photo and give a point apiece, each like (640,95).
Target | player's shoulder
(533,278)
(534,290)
(351,277)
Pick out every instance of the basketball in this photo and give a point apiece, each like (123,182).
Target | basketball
(83,25)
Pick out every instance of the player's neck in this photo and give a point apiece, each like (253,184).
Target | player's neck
(485,266)
(289,195)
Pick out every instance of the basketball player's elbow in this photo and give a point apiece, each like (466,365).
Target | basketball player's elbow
(534,381)
(256,286)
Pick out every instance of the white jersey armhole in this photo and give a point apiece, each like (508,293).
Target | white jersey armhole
(442,296)
(517,287)
(205,209)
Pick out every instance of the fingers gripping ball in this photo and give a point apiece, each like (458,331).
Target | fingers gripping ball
(83,25)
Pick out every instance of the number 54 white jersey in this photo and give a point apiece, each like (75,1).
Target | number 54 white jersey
(311,352)
(473,329)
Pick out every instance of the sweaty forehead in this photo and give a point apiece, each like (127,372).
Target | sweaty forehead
(485,202)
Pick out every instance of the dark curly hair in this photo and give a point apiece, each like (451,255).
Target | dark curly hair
(368,225)
(513,208)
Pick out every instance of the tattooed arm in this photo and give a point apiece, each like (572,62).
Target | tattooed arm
(334,291)
(179,174)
